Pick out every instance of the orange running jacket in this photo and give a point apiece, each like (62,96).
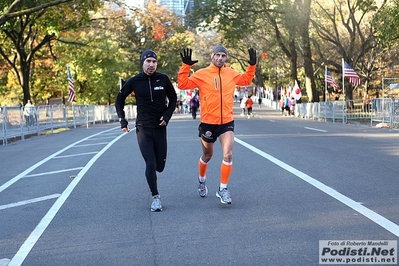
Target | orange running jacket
(216,90)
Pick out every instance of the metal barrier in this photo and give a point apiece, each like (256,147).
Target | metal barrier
(383,111)
(17,124)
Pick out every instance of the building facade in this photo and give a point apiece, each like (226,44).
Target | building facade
(180,7)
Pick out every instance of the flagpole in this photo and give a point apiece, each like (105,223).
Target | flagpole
(343,78)
(325,83)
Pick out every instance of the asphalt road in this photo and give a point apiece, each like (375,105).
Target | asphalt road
(80,197)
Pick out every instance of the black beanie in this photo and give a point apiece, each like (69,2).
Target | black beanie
(146,54)
(219,49)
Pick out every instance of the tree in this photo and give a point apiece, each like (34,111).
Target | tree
(303,9)
(345,27)
(15,8)
(386,23)
(285,22)
(23,35)
(172,38)
(112,47)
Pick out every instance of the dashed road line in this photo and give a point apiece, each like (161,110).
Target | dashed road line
(33,167)
(55,172)
(73,155)
(315,129)
(25,202)
(93,144)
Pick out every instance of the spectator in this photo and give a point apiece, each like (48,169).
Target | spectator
(243,105)
(282,104)
(287,105)
(29,113)
(194,104)
(248,104)
(292,105)
(366,103)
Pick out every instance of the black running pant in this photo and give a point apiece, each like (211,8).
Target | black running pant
(153,147)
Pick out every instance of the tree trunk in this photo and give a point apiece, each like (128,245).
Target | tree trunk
(25,74)
(293,62)
(258,76)
(307,52)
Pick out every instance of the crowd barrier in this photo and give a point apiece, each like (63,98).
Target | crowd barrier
(16,123)
(382,112)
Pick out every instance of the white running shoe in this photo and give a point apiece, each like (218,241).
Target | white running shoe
(156,204)
(224,196)
(202,189)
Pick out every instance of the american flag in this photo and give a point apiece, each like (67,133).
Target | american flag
(351,75)
(330,80)
(71,95)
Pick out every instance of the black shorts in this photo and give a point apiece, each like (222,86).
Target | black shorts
(209,133)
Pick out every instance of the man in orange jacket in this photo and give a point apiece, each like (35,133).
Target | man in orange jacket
(216,84)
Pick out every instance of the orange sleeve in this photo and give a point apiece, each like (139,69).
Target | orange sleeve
(246,78)
(184,81)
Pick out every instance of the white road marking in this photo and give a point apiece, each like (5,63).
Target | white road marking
(104,137)
(93,144)
(73,155)
(55,172)
(25,202)
(315,129)
(375,217)
(33,167)
(27,246)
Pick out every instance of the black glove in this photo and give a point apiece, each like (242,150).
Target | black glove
(123,122)
(186,57)
(252,56)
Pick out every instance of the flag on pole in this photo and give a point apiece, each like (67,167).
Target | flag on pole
(351,75)
(296,91)
(289,90)
(71,94)
(330,80)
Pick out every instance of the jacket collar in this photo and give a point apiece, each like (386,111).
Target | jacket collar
(215,67)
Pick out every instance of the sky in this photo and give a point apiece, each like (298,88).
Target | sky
(134,2)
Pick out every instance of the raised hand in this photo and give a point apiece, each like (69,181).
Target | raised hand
(252,56)
(186,57)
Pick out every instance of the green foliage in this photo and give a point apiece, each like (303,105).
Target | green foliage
(110,49)
(27,38)
(105,45)
(386,23)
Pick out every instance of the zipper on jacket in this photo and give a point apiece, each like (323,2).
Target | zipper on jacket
(221,97)
(149,85)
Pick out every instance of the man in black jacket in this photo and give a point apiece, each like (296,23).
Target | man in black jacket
(152,90)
